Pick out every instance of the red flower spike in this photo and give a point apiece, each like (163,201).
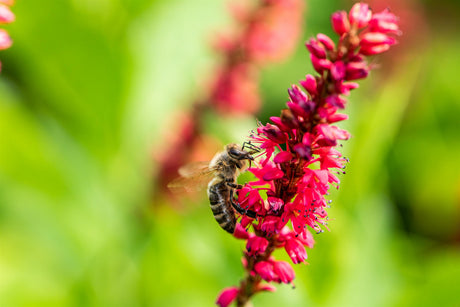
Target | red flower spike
(298,160)
(227,296)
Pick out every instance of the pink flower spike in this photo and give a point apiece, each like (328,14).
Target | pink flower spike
(284,271)
(326,41)
(265,270)
(296,251)
(360,14)
(6,16)
(5,40)
(340,22)
(227,296)
(309,84)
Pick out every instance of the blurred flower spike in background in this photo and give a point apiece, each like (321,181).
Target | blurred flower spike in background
(266,31)
(6,16)
(299,161)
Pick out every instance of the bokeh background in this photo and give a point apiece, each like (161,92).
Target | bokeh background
(90,89)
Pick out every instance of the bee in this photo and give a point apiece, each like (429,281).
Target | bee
(221,174)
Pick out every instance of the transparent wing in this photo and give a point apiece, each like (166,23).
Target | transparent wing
(194,177)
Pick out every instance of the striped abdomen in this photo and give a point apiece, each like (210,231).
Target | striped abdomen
(219,198)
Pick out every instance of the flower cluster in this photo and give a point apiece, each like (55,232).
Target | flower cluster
(299,161)
(6,16)
(268,32)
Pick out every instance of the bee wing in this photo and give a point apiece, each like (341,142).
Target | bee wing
(194,177)
(194,168)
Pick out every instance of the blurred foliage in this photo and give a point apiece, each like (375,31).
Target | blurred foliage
(86,94)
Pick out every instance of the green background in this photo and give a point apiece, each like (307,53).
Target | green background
(90,88)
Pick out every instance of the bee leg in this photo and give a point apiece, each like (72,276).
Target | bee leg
(234,185)
(240,210)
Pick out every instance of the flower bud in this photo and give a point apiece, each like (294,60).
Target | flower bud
(303,150)
(320,65)
(278,122)
(375,38)
(256,245)
(6,16)
(336,101)
(297,95)
(227,296)
(326,41)
(384,22)
(273,133)
(265,270)
(296,251)
(5,40)
(284,271)
(371,50)
(360,14)
(272,174)
(309,84)
(289,119)
(283,157)
(340,22)
(316,48)
(338,70)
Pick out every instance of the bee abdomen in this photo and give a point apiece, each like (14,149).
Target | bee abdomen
(219,198)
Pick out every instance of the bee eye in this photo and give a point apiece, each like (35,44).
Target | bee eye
(234,153)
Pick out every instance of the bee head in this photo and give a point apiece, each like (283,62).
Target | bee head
(237,153)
